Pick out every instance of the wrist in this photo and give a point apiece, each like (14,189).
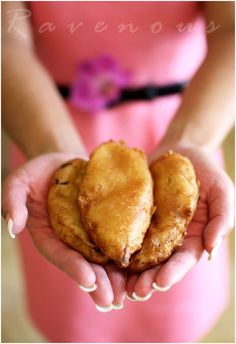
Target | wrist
(182,137)
(182,146)
(53,145)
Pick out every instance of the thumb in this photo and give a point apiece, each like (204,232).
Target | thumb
(15,192)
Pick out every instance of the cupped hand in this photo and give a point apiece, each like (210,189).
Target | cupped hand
(212,221)
(24,202)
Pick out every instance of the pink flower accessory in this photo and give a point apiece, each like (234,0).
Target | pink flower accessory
(98,83)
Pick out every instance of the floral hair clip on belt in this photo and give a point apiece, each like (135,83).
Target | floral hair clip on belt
(100,83)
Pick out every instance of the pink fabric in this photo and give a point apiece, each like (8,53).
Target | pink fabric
(60,310)
(162,56)
(183,314)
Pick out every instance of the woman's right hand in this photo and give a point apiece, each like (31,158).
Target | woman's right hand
(24,202)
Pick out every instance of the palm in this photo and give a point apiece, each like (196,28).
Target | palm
(29,184)
(212,220)
(214,211)
(200,219)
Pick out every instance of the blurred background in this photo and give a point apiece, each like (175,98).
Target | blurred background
(16,325)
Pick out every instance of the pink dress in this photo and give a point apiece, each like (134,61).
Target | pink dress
(158,51)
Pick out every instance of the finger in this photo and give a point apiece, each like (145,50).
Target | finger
(143,286)
(130,286)
(199,221)
(179,264)
(118,283)
(103,295)
(66,259)
(15,193)
(221,214)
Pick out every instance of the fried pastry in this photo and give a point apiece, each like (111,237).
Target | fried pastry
(176,193)
(64,213)
(116,200)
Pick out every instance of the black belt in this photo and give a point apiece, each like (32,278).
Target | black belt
(138,93)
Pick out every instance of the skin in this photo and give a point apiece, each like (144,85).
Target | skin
(200,126)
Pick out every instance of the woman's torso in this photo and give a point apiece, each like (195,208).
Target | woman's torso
(153,45)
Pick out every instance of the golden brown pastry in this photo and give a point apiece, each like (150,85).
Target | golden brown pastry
(176,194)
(116,200)
(64,212)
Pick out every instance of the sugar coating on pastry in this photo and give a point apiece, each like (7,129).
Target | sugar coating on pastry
(116,200)
(64,212)
(176,193)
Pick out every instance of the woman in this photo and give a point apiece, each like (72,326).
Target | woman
(163,43)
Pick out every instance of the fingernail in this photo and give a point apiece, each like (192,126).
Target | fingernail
(104,309)
(117,306)
(215,249)
(129,297)
(158,288)
(90,289)
(141,298)
(10,228)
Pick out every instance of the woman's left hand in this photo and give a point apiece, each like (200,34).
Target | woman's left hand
(212,221)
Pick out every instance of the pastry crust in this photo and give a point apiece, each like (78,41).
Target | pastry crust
(104,208)
(64,213)
(116,200)
(176,192)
